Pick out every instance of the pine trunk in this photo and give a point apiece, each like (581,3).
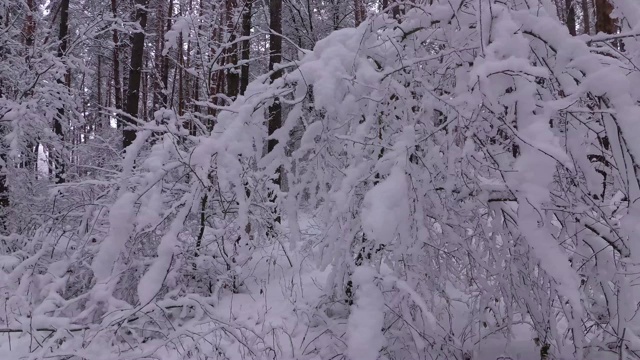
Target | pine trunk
(604,22)
(246,45)
(571,16)
(117,84)
(135,72)
(59,166)
(232,78)
(358,12)
(275,58)
(275,110)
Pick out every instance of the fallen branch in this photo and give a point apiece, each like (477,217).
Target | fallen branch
(8,330)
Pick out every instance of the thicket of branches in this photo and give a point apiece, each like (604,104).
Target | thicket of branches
(455,169)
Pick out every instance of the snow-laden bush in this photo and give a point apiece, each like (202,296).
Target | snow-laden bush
(465,185)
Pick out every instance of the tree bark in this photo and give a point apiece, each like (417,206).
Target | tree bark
(275,57)
(358,12)
(604,22)
(59,166)
(586,17)
(117,84)
(98,119)
(232,78)
(571,16)
(246,45)
(145,90)
(135,71)
(275,110)
(180,68)
(29,25)
(161,75)
(165,59)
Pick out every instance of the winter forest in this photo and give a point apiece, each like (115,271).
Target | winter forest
(320,179)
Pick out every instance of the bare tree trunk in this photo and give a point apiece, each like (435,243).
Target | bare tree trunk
(145,92)
(180,79)
(117,84)
(246,45)
(586,17)
(135,71)
(358,12)
(157,61)
(275,57)
(275,110)
(185,62)
(604,22)
(335,8)
(232,78)
(125,53)
(59,166)
(165,59)
(571,16)
(161,73)
(29,25)
(98,118)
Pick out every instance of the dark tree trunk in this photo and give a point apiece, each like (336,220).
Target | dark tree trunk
(29,25)
(232,78)
(98,119)
(246,45)
(158,58)
(59,166)
(117,84)
(358,12)
(604,22)
(571,16)
(336,14)
(145,92)
(180,68)
(125,56)
(275,110)
(161,73)
(135,71)
(165,60)
(275,57)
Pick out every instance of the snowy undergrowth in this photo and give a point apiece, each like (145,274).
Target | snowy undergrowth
(279,311)
(274,302)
